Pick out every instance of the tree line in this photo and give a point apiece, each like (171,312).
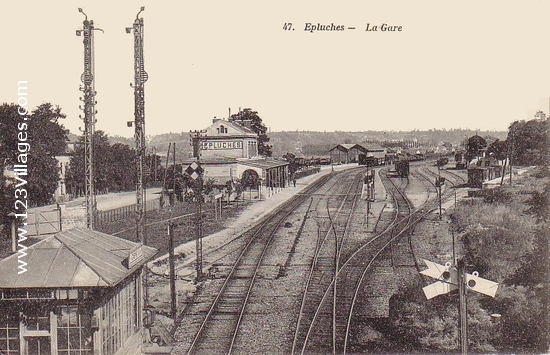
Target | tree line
(47,138)
(526,144)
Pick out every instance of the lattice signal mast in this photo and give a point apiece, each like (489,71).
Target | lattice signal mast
(140,77)
(89,119)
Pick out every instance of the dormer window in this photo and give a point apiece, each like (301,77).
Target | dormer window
(222,129)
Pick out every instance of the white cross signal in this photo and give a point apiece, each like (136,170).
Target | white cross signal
(447,280)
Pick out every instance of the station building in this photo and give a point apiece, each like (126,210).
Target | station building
(229,151)
(81,294)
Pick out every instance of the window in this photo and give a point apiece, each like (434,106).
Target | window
(74,334)
(39,321)
(252,149)
(9,334)
(38,345)
(120,315)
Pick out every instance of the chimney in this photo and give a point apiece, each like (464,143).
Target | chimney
(246,123)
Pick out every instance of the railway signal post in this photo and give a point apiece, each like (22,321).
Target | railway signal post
(89,119)
(449,278)
(369,182)
(440,181)
(140,77)
(195,171)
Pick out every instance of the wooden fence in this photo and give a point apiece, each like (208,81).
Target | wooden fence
(108,216)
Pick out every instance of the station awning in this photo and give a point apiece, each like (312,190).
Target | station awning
(262,163)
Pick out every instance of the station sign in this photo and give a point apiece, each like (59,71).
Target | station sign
(135,256)
(221,145)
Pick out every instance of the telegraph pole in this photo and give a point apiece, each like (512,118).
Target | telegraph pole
(439,188)
(140,77)
(89,119)
(463,309)
(171,259)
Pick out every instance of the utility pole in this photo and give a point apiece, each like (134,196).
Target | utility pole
(171,259)
(89,119)
(511,149)
(462,311)
(174,196)
(370,192)
(140,77)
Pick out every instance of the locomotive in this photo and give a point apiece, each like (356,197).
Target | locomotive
(369,161)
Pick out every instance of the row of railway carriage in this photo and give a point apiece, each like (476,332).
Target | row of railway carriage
(371,155)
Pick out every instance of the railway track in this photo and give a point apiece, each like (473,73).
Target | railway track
(330,305)
(334,215)
(452,178)
(218,330)
(344,257)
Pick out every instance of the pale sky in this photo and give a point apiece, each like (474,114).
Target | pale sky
(455,64)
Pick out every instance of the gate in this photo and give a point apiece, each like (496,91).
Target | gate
(43,222)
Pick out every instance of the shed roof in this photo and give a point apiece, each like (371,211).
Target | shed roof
(364,147)
(343,147)
(75,258)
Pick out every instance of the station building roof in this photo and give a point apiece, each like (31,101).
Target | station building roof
(234,128)
(78,257)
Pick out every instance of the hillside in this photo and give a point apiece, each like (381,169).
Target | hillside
(319,143)
(309,143)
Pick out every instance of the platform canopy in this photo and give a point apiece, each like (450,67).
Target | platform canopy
(75,258)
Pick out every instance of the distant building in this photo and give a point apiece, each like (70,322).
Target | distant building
(344,154)
(349,153)
(63,163)
(373,150)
